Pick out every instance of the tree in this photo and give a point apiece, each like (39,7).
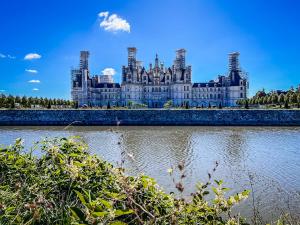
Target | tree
(265,100)
(246,104)
(187,105)
(251,101)
(286,104)
(2,100)
(293,98)
(12,104)
(220,105)
(76,104)
(281,98)
(275,99)
(270,99)
(17,99)
(209,106)
(49,105)
(129,104)
(24,101)
(108,105)
(29,102)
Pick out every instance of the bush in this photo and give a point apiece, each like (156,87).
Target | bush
(67,185)
(168,104)
(246,104)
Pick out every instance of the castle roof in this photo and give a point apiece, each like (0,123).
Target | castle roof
(209,84)
(107,85)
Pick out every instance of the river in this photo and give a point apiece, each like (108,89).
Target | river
(265,160)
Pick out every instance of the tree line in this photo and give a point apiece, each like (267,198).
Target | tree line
(10,101)
(286,99)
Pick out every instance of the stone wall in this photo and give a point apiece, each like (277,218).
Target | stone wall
(151,117)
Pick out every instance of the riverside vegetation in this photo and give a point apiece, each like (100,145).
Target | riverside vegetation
(274,99)
(68,185)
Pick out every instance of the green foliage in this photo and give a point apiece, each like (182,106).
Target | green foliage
(67,185)
(168,104)
(246,104)
(289,99)
(24,102)
(135,105)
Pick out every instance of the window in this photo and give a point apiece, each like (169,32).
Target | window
(241,95)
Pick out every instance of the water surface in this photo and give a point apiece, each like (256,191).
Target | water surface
(263,159)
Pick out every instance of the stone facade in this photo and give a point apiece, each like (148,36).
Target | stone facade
(158,85)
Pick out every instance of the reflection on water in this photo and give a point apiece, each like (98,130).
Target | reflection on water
(268,157)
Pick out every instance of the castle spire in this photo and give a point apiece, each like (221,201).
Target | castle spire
(156,61)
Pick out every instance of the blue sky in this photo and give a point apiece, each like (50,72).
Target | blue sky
(266,33)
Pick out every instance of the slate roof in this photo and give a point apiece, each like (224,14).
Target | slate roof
(209,84)
(108,85)
(235,78)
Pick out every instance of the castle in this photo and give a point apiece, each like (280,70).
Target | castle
(157,85)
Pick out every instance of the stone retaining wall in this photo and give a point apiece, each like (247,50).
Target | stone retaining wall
(151,117)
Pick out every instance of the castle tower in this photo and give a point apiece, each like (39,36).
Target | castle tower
(180,59)
(132,56)
(234,64)
(84,60)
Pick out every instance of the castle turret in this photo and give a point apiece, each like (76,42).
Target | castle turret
(234,64)
(179,62)
(132,57)
(84,60)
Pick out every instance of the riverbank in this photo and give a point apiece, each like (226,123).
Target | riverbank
(226,117)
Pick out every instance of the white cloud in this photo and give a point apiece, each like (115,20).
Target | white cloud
(113,23)
(31,56)
(11,57)
(103,14)
(109,71)
(34,81)
(31,71)
(7,56)
(35,89)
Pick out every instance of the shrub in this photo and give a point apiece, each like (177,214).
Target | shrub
(246,104)
(67,185)
(168,104)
